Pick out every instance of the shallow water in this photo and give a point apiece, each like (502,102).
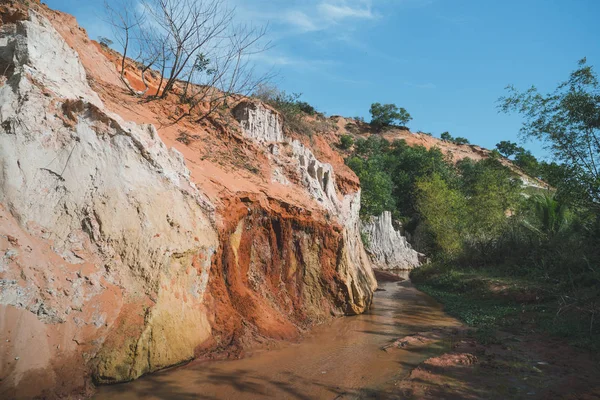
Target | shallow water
(340,360)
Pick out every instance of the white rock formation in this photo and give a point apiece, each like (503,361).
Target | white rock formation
(110,197)
(258,122)
(318,178)
(387,248)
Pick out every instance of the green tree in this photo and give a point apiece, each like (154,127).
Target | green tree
(407,164)
(442,211)
(376,191)
(548,216)
(527,162)
(306,107)
(447,136)
(491,191)
(507,148)
(383,115)
(567,121)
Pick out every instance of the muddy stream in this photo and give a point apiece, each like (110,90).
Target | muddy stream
(340,360)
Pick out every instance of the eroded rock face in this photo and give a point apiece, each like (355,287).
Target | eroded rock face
(113,263)
(387,248)
(319,181)
(107,244)
(258,122)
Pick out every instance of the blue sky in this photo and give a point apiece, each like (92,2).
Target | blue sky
(445,61)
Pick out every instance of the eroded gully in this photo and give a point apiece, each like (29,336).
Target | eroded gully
(340,360)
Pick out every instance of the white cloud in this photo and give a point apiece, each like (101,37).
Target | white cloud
(345,10)
(321,15)
(286,61)
(301,20)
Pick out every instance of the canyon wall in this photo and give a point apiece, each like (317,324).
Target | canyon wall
(120,255)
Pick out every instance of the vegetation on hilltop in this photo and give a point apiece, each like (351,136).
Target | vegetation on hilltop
(456,140)
(387,115)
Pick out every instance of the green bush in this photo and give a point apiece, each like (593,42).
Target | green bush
(306,108)
(346,141)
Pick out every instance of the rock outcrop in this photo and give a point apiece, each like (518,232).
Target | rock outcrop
(387,247)
(318,179)
(110,243)
(117,258)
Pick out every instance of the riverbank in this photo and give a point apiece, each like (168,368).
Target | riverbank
(520,344)
(405,347)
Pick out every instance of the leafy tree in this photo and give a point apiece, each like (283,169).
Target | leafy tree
(442,210)
(376,190)
(374,145)
(346,141)
(527,162)
(495,154)
(306,107)
(447,136)
(461,140)
(567,121)
(507,148)
(408,164)
(356,164)
(383,115)
(490,191)
(569,188)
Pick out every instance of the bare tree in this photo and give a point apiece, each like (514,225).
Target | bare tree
(230,72)
(126,23)
(203,55)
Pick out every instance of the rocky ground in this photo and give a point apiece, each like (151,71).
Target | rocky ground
(516,367)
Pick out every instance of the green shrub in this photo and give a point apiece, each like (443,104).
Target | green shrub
(346,141)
